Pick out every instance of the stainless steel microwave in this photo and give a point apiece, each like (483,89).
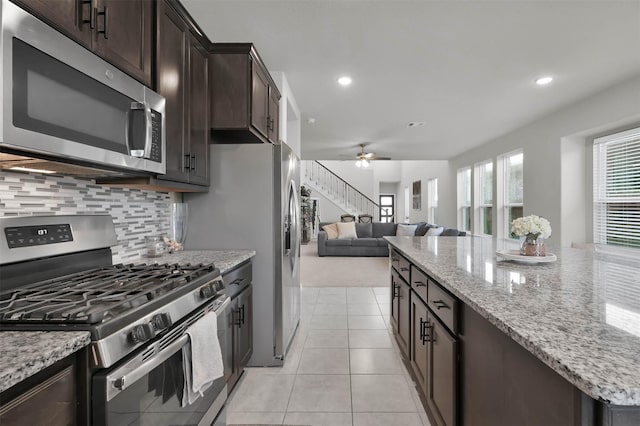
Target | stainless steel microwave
(63,105)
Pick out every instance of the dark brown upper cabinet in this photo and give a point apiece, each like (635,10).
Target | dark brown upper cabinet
(118,31)
(244,98)
(182,78)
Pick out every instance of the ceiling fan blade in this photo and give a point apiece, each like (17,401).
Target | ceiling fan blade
(379,158)
(369,155)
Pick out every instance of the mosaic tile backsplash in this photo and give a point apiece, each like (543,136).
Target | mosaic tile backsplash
(136,213)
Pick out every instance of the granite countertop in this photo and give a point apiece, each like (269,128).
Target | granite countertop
(579,315)
(25,353)
(225,260)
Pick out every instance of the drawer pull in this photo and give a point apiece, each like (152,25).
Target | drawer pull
(396,287)
(404,269)
(419,284)
(440,304)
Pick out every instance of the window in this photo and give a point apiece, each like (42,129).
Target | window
(432,200)
(484,197)
(513,190)
(464,199)
(616,189)
(386,208)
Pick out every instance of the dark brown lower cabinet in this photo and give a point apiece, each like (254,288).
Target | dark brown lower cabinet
(419,343)
(242,320)
(395,300)
(404,311)
(50,402)
(400,311)
(442,373)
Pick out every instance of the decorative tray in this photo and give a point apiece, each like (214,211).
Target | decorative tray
(517,257)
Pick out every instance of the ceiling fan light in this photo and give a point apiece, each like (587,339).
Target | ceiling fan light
(359,163)
(365,163)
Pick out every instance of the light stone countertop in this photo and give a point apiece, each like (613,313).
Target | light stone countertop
(579,315)
(225,260)
(25,353)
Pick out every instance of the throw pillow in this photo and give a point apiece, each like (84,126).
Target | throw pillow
(331,230)
(346,230)
(434,232)
(406,230)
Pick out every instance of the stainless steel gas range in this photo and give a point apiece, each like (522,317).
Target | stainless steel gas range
(57,274)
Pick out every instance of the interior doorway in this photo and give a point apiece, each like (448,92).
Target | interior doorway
(387,207)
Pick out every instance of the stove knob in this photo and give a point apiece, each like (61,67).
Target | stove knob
(161,321)
(219,285)
(208,291)
(141,333)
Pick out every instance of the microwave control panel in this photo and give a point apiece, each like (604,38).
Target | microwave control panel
(156,136)
(27,236)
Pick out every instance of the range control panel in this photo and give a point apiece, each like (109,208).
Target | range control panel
(26,236)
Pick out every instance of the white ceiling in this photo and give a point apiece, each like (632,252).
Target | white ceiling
(465,68)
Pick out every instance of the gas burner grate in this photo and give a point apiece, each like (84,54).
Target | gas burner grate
(97,295)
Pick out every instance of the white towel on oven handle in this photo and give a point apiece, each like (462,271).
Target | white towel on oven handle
(201,358)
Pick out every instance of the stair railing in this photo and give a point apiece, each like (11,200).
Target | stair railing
(341,191)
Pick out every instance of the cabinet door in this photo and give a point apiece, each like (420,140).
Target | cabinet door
(404,316)
(52,403)
(274,117)
(442,374)
(198,125)
(244,322)
(72,17)
(171,57)
(395,300)
(259,100)
(123,35)
(420,332)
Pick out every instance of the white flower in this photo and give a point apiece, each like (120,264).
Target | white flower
(531,226)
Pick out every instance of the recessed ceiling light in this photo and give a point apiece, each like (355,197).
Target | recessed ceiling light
(344,80)
(416,124)
(311,120)
(543,80)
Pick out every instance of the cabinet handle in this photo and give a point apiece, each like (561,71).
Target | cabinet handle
(428,333)
(404,269)
(238,318)
(187,162)
(92,17)
(105,27)
(242,314)
(396,287)
(193,162)
(419,284)
(425,331)
(440,304)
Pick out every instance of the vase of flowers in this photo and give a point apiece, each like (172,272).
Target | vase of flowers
(532,230)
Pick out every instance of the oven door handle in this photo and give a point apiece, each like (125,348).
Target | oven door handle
(134,370)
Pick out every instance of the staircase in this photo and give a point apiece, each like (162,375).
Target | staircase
(333,187)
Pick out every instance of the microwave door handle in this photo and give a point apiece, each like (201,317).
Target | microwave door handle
(148,135)
(128,374)
(135,151)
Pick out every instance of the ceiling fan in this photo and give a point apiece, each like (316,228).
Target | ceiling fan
(364,158)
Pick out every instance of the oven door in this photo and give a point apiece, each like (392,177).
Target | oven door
(147,390)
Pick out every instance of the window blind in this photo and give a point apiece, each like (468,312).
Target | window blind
(616,189)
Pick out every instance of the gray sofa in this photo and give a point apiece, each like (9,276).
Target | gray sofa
(369,242)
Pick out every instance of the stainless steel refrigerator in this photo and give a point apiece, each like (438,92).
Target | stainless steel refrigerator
(253,203)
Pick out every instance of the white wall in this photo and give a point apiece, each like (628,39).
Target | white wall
(289,113)
(545,152)
(423,171)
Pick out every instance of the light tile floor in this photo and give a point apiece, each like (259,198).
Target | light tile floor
(343,369)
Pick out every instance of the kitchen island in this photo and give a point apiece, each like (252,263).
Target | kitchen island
(574,325)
